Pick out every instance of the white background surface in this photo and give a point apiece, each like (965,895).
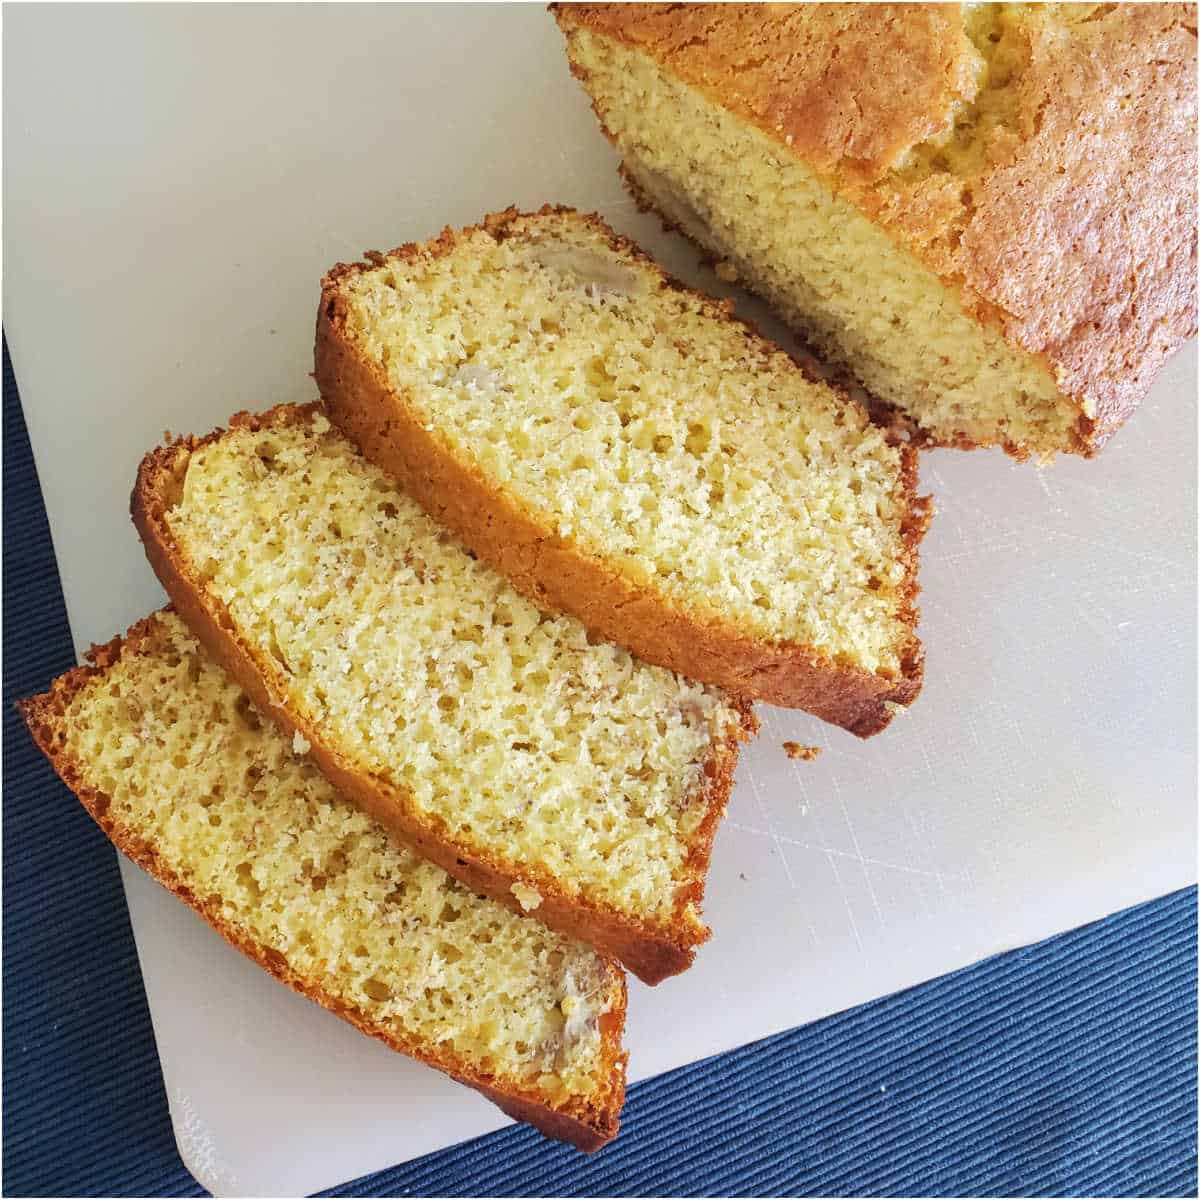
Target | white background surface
(177,179)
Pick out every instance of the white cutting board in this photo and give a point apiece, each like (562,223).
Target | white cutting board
(176,180)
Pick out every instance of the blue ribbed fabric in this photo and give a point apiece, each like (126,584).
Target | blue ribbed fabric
(1065,1069)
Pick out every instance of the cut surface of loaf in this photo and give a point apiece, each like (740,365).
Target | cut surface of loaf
(169,757)
(986,213)
(563,777)
(625,451)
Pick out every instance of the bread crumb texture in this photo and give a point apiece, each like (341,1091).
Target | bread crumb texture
(504,726)
(641,426)
(985,212)
(527,897)
(800,752)
(258,835)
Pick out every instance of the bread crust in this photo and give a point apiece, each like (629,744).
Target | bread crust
(1075,239)
(652,950)
(558,575)
(582,1125)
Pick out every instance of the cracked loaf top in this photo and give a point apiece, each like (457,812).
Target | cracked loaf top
(1039,158)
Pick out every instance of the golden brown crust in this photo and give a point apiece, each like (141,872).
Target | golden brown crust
(818,77)
(652,950)
(559,576)
(1075,236)
(583,1125)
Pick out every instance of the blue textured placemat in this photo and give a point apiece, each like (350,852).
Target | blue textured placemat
(1068,1068)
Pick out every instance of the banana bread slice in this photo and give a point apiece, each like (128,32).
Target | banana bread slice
(623,450)
(560,776)
(985,212)
(171,760)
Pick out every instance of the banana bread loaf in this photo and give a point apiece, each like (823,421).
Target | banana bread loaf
(986,213)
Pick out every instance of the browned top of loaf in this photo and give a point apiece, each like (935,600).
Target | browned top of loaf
(1075,234)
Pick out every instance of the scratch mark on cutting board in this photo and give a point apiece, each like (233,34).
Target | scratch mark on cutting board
(906,812)
(858,854)
(1055,502)
(762,808)
(1007,541)
(787,867)
(798,775)
(837,875)
(829,851)
(1108,548)
(941,882)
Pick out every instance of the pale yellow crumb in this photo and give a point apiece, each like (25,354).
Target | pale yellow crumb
(191,770)
(508,728)
(647,429)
